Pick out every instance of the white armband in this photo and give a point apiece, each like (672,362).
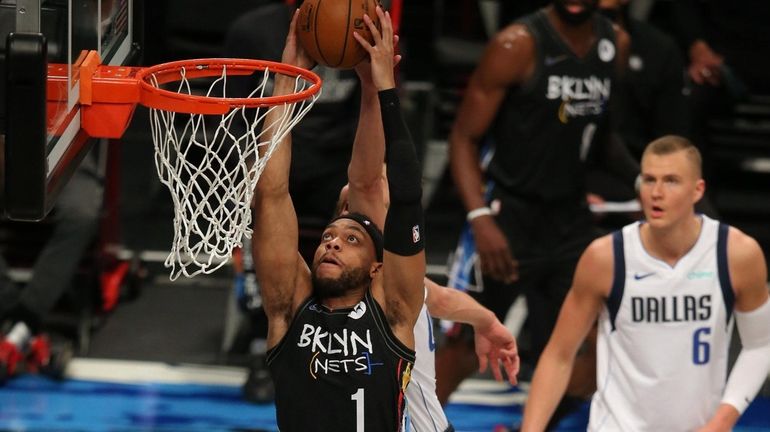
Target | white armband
(481,211)
(753,365)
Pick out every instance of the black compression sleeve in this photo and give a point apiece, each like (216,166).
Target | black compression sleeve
(404,234)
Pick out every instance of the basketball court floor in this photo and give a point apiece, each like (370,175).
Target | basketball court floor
(113,395)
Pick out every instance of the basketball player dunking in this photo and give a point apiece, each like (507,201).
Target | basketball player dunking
(366,193)
(666,291)
(340,335)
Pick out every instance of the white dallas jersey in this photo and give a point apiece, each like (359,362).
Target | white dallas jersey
(424,411)
(664,335)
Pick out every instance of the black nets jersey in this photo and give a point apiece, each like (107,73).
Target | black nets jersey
(340,370)
(546,127)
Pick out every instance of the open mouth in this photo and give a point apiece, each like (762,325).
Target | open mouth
(574,7)
(330,260)
(656,211)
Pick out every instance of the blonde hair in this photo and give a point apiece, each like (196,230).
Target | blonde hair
(669,144)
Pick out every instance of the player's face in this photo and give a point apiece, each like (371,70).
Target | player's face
(343,258)
(670,188)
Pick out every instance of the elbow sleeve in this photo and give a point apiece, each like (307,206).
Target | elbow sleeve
(753,365)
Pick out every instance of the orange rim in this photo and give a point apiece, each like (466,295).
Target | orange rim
(158,98)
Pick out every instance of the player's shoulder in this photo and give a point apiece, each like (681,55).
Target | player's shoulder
(594,272)
(515,37)
(622,38)
(741,247)
(599,255)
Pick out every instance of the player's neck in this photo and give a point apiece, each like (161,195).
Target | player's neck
(671,243)
(579,37)
(347,300)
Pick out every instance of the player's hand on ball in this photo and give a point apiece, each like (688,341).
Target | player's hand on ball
(293,53)
(381,53)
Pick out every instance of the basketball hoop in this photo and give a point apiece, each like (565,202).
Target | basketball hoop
(210,149)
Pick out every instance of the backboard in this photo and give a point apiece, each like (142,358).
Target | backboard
(45,43)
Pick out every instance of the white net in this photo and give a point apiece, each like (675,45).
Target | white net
(211,164)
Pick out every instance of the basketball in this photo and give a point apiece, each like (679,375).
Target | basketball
(325,30)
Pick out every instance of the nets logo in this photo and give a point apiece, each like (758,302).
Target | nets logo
(580,97)
(415,233)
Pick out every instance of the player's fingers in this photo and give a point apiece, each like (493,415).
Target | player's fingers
(363,42)
(510,267)
(496,368)
(396,60)
(492,269)
(376,35)
(385,22)
(293,24)
(482,363)
(511,369)
(387,25)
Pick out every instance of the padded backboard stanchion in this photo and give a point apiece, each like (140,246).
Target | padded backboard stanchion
(25,128)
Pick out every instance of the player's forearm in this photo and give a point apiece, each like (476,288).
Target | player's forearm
(454,305)
(548,386)
(368,155)
(724,419)
(274,179)
(618,159)
(464,165)
(753,364)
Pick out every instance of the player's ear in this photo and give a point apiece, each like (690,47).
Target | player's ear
(700,189)
(374,269)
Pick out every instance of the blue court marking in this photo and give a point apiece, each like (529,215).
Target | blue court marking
(35,403)
(32,403)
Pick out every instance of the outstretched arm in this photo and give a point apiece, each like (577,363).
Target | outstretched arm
(748,274)
(591,285)
(283,276)
(494,343)
(404,257)
(365,172)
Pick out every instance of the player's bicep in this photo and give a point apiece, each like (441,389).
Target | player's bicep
(748,271)
(590,287)
(277,264)
(369,199)
(507,61)
(403,285)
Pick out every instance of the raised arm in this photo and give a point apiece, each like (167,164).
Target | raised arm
(365,172)
(509,60)
(401,292)
(590,286)
(748,274)
(283,276)
(494,343)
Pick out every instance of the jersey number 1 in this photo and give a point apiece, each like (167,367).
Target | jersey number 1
(358,396)
(701,350)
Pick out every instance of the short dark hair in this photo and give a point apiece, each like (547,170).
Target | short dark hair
(669,144)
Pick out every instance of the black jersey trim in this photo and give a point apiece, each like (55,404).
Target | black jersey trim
(383,327)
(530,85)
(602,28)
(273,352)
(618,277)
(724,271)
